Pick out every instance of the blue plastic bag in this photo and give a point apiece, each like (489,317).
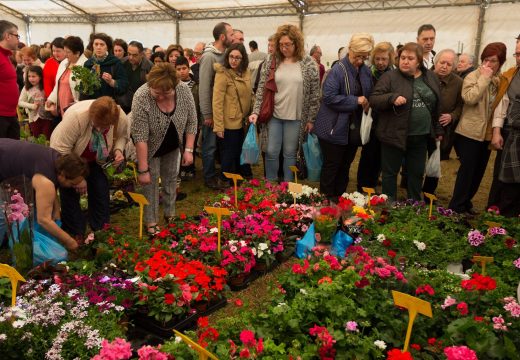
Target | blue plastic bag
(250,150)
(313,157)
(307,242)
(45,247)
(340,243)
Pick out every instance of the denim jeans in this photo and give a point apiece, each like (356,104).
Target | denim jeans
(283,134)
(209,147)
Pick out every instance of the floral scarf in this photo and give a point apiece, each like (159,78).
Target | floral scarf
(98,145)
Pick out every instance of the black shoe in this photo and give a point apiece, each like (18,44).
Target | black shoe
(224,184)
(181,196)
(213,184)
(472,212)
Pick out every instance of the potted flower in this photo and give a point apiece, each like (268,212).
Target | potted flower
(326,223)
(238,259)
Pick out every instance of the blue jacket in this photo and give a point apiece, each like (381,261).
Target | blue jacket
(337,109)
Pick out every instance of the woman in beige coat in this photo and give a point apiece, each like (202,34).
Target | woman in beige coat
(231,104)
(481,91)
(96,130)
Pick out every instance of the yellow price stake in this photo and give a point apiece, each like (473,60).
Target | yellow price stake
(132,165)
(235,178)
(369,192)
(414,306)
(141,200)
(14,276)
(203,353)
(295,188)
(483,260)
(219,212)
(431,197)
(294,169)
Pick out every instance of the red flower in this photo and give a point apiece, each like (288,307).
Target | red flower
(463,308)
(510,242)
(182,216)
(387,243)
(248,337)
(362,283)
(203,322)
(325,279)
(244,353)
(397,354)
(416,347)
(478,318)
(239,302)
(391,254)
(479,282)
(425,289)
(432,341)
(169,299)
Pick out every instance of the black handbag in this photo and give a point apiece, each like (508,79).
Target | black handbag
(301,164)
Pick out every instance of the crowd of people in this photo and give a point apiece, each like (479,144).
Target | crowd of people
(167,104)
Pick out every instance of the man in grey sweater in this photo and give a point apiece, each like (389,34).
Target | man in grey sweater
(213,53)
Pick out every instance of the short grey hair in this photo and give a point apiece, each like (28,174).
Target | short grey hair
(5,26)
(314,48)
(446,51)
(471,57)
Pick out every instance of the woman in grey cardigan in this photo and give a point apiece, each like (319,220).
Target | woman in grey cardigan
(162,111)
(296,101)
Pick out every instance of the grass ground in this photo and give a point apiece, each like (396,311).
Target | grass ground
(257,294)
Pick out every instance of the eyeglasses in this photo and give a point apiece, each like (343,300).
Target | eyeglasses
(15,35)
(236,58)
(286,45)
(361,57)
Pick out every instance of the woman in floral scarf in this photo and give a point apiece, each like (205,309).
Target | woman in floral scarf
(96,130)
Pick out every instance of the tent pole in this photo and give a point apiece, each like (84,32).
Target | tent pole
(177,32)
(301,22)
(28,29)
(480,29)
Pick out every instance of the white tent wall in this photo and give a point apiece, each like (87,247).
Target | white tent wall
(501,24)
(41,32)
(148,33)
(455,26)
(258,29)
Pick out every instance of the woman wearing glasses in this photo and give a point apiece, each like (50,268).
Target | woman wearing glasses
(482,91)
(295,103)
(407,100)
(345,97)
(231,103)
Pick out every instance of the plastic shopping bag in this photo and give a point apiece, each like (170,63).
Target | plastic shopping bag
(433,165)
(313,157)
(305,245)
(366,126)
(340,243)
(45,247)
(250,150)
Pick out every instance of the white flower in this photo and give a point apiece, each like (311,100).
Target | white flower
(3,337)
(233,248)
(281,304)
(357,198)
(178,339)
(213,230)
(420,245)
(18,324)
(260,254)
(73,293)
(263,246)
(303,291)
(253,250)
(381,238)
(380,344)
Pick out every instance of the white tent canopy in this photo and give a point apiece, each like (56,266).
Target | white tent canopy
(462,25)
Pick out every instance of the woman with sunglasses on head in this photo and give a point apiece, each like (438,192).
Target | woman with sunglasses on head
(408,103)
(345,97)
(295,103)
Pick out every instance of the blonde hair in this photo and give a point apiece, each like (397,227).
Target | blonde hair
(384,47)
(162,76)
(361,43)
(296,37)
(29,51)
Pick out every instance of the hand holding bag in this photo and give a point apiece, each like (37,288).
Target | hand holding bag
(267,107)
(433,165)
(250,151)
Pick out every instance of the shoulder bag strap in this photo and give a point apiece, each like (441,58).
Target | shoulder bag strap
(347,83)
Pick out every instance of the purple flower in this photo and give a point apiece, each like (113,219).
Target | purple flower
(475,238)
(497,231)
(444,211)
(517,263)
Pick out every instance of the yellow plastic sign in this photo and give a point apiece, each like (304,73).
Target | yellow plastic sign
(295,188)
(141,200)
(483,260)
(219,212)
(431,197)
(414,306)
(235,178)
(132,165)
(203,353)
(294,169)
(369,192)
(14,276)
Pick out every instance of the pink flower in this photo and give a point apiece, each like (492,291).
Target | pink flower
(248,337)
(351,326)
(475,238)
(499,323)
(449,301)
(460,353)
(512,306)
(119,349)
(517,263)
(149,353)
(463,308)
(497,231)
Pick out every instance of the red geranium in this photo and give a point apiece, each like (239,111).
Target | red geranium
(479,282)
(397,354)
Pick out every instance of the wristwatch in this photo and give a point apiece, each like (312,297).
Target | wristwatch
(190,150)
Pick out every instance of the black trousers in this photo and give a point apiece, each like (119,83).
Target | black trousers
(369,167)
(73,219)
(230,149)
(9,127)
(474,156)
(335,169)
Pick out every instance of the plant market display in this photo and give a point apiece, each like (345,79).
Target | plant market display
(123,299)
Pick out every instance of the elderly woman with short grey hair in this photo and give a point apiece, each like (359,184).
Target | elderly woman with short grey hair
(345,97)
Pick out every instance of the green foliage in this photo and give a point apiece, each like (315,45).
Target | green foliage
(88,81)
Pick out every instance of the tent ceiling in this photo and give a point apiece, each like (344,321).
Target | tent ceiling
(105,11)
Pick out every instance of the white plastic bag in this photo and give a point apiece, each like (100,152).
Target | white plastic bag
(433,165)
(366,126)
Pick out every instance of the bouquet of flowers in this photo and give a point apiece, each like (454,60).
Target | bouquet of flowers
(326,223)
